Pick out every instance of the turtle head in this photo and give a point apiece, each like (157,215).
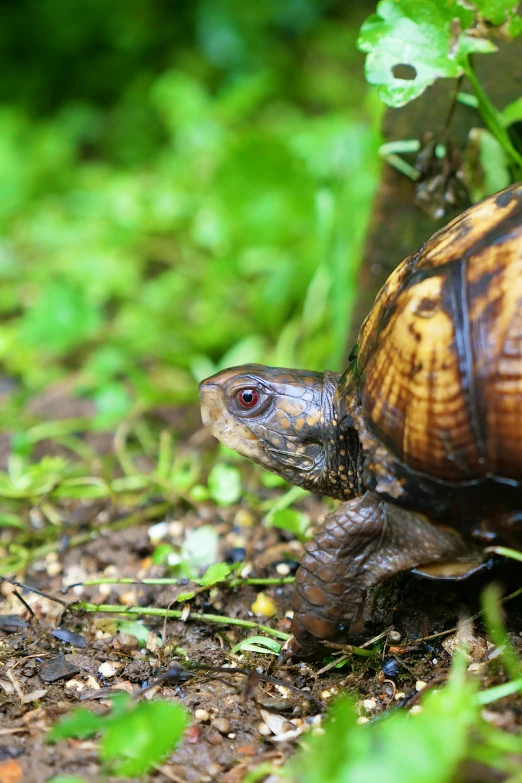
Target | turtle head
(282,419)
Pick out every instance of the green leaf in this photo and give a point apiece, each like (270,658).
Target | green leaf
(491,598)
(11,520)
(113,404)
(62,318)
(161,553)
(292,520)
(214,574)
(135,736)
(80,725)
(224,483)
(136,629)
(67,779)
(185,596)
(421,748)
(419,34)
(497,11)
(512,112)
(142,736)
(493,172)
(199,550)
(498,692)
(505,551)
(261,644)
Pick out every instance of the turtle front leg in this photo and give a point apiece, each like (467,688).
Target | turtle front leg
(364,542)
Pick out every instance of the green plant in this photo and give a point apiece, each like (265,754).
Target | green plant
(134,737)
(423,748)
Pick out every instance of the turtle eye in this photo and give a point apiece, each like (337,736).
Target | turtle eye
(248,398)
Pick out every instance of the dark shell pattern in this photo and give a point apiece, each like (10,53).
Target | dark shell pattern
(440,355)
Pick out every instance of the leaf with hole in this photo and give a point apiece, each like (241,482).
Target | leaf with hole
(411,43)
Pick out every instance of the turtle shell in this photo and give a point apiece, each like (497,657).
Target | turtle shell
(440,354)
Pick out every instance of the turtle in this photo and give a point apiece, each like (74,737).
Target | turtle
(420,437)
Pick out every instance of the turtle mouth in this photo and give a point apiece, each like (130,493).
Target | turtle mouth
(222,424)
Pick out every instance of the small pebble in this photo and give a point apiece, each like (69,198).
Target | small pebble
(264,605)
(283,569)
(238,554)
(326,695)
(158,532)
(109,668)
(244,518)
(400,695)
(176,528)
(264,729)
(416,709)
(202,715)
(222,725)
(232,735)
(129,598)
(362,720)
(420,685)
(394,636)
(369,704)
(390,668)
(214,769)
(476,668)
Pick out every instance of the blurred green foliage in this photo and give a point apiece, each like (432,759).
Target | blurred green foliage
(182,187)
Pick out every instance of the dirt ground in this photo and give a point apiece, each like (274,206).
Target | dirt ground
(235,724)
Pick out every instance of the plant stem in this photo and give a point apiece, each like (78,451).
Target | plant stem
(151,611)
(491,117)
(286,580)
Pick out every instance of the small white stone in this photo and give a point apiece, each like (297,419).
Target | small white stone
(222,725)
(362,720)
(283,569)
(326,695)
(394,636)
(176,528)
(110,668)
(264,729)
(369,704)
(54,568)
(420,685)
(75,685)
(232,735)
(158,532)
(202,715)
(400,695)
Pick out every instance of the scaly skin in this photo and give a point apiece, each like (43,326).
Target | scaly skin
(294,430)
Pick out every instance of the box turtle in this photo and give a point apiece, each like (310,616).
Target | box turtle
(421,437)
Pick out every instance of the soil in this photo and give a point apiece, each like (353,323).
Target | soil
(43,677)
